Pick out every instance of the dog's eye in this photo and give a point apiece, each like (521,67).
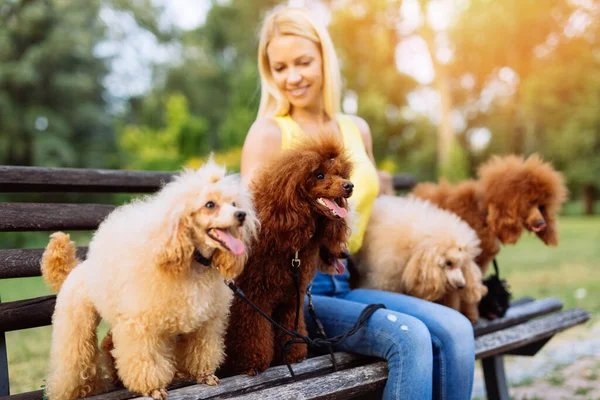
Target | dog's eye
(233,204)
(210,204)
(448,263)
(320,176)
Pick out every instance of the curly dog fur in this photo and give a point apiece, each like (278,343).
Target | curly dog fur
(416,248)
(167,313)
(511,194)
(300,200)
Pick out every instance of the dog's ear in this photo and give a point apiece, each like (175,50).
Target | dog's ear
(474,288)
(281,198)
(422,277)
(175,252)
(504,222)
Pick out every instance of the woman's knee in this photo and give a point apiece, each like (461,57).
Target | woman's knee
(455,333)
(406,336)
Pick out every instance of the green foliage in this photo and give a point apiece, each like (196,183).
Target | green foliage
(168,147)
(53,110)
(357,28)
(218,74)
(457,165)
(562,101)
(551,105)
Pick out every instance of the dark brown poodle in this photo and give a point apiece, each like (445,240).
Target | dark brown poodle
(300,200)
(511,195)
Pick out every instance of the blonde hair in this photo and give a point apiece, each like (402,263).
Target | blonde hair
(298,22)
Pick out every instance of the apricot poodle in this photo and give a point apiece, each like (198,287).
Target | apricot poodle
(300,200)
(167,312)
(416,248)
(511,194)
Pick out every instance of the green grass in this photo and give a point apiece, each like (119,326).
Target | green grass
(530,268)
(582,391)
(556,379)
(533,269)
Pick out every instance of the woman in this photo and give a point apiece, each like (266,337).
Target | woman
(429,348)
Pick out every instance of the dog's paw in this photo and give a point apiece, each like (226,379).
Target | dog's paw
(158,394)
(297,360)
(209,379)
(252,371)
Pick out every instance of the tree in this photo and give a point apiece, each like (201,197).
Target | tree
(52,105)
(496,40)
(561,102)
(366,37)
(166,148)
(217,74)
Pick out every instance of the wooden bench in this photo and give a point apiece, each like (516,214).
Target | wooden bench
(527,326)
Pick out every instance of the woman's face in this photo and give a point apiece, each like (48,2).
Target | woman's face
(296,66)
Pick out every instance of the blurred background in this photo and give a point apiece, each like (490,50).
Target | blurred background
(444,84)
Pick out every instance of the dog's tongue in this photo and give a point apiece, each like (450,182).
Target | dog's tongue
(339,266)
(538,229)
(235,245)
(332,205)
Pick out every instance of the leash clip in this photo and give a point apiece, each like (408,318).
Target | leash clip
(229,282)
(296,261)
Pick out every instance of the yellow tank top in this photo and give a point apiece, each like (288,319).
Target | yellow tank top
(364,175)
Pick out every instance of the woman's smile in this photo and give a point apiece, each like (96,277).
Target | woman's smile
(299,91)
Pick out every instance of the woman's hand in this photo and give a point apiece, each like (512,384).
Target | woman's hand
(386,183)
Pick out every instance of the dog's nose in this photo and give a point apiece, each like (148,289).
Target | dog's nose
(240,215)
(539,223)
(460,286)
(348,186)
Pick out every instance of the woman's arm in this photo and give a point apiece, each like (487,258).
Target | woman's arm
(385,178)
(262,144)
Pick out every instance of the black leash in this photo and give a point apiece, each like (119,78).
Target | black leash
(302,339)
(319,325)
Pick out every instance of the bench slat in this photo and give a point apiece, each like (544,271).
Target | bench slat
(37,179)
(35,395)
(518,313)
(338,385)
(22,263)
(242,384)
(529,332)
(25,314)
(15,217)
(36,312)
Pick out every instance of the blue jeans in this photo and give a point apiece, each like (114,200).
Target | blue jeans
(430,349)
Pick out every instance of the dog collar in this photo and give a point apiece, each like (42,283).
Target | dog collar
(199,258)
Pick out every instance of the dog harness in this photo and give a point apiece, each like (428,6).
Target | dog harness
(364,175)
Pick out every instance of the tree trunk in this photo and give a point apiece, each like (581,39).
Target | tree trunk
(589,198)
(445,128)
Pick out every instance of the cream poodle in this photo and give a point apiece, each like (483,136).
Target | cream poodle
(416,248)
(145,276)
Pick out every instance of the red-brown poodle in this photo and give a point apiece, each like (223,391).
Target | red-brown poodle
(510,195)
(300,200)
